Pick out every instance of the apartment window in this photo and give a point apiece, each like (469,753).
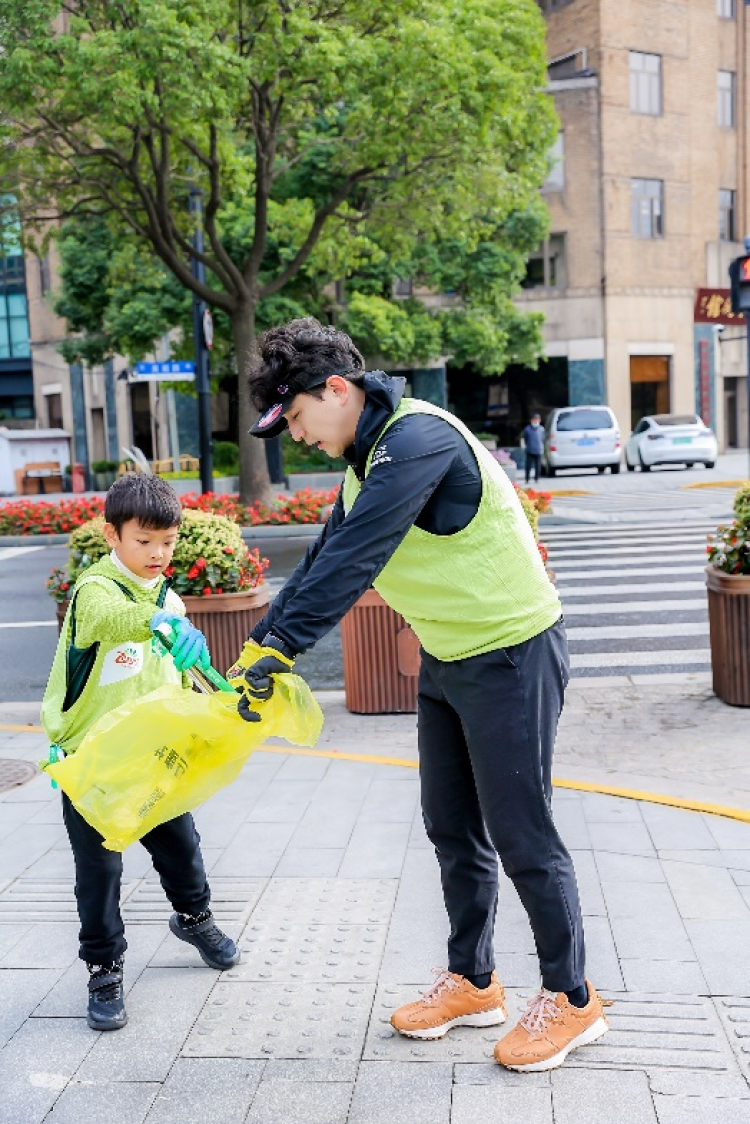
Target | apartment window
(647,208)
(45,277)
(555,180)
(645,83)
(725,9)
(727,215)
(54,411)
(14,320)
(726,99)
(546,268)
(402,287)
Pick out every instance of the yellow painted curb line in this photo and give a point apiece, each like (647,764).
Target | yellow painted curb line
(569,492)
(576,786)
(716,484)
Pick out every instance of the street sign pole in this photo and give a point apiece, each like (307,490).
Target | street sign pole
(202,381)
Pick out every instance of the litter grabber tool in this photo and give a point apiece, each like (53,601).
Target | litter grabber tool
(205,679)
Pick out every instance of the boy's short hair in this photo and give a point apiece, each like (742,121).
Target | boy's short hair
(298,357)
(149,499)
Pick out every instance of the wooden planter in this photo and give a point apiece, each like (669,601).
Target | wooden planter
(729,621)
(381,659)
(225,619)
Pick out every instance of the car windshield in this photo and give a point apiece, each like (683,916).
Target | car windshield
(676,419)
(583,419)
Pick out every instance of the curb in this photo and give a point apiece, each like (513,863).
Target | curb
(249,534)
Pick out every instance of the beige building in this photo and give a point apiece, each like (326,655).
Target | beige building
(648,199)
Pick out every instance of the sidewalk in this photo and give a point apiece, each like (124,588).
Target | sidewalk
(320,866)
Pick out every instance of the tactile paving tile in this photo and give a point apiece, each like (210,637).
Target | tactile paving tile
(326,901)
(647,1032)
(735,1015)
(293,950)
(45,900)
(265,1020)
(232,899)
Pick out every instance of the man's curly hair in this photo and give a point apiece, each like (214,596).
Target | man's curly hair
(290,354)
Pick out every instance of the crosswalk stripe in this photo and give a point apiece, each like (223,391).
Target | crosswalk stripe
(608,565)
(591,591)
(637,631)
(8,552)
(28,624)
(637,661)
(632,551)
(693,604)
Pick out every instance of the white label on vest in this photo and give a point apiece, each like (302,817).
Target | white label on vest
(122,662)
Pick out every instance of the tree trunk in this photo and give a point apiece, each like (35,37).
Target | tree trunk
(255,483)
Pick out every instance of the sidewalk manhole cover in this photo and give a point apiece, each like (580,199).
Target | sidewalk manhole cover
(15,773)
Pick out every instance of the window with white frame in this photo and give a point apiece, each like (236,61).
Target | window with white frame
(555,180)
(645,83)
(727,226)
(725,9)
(726,80)
(547,267)
(647,208)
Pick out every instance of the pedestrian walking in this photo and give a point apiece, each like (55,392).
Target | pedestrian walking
(533,440)
(105,658)
(429,518)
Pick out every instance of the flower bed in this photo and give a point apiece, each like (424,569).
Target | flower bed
(306,506)
(19,517)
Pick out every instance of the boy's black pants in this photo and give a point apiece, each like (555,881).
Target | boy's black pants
(487,729)
(175,851)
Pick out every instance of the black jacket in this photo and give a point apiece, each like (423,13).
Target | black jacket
(423,473)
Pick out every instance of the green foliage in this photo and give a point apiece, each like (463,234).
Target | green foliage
(104,466)
(298,457)
(226,457)
(729,548)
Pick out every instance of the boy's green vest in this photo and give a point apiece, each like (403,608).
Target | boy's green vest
(116,672)
(482,588)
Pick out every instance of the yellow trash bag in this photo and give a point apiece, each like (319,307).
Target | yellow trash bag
(153,759)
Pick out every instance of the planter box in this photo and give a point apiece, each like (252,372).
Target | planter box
(225,619)
(381,659)
(223,485)
(729,621)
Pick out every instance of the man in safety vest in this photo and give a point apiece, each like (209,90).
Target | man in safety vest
(428,517)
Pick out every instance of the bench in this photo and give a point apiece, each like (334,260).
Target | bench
(39,478)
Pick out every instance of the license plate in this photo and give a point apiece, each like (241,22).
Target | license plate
(682,440)
(586,441)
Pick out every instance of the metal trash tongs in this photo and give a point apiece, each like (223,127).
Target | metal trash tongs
(206,680)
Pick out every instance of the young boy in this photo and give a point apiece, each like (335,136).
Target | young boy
(105,657)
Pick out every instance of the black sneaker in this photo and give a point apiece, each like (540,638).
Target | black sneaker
(216,948)
(106,1005)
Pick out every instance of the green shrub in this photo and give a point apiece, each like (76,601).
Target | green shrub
(226,457)
(298,457)
(104,466)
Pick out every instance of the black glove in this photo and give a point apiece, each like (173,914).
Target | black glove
(258,684)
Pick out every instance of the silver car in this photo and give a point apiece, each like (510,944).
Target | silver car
(582,437)
(670,439)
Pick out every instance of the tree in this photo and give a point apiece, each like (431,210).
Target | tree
(408,117)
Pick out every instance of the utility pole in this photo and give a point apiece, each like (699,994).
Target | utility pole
(202,339)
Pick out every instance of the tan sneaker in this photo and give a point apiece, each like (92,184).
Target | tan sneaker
(451,1001)
(549,1030)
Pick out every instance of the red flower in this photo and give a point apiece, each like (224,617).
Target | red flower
(169,571)
(193,572)
(206,590)
(200,563)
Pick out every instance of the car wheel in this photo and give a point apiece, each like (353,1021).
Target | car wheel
(644,467)
(550,470)
(710,464)
(600,468)
(630,467)
(614,469)
(690,464)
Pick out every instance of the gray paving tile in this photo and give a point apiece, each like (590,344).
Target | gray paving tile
(57,863)
(11,934)
(686,1084)
(310,862)
(462,1044)
(322,901)
(25,845)
(736,861)
(572,825)
(600,808)
(307,1102)
(583,1097)
(629,838)
(255,849)
(473,1103)
(375,850)
(53,945)
(385,1094)
(326,824)
(700,1110)
(674,827)
(650,902)
(284,801)
(419,927)
(268,1020)
(705,892)
(37,1064)
(162,1008)
(721,948)
(389,802)
(21,991)
(589,885)
(731,835)
(303,768)
(311,1069)
(602,964)
(615,869)
(677,977)
(664,939)
(123,1102)
(219,1090)
(490,1073)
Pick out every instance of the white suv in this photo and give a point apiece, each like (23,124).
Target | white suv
(582,437)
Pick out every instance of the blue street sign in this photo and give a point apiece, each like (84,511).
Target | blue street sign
(172,369)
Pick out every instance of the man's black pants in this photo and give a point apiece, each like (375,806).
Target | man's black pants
(533,461)
(175,851)
(487,729)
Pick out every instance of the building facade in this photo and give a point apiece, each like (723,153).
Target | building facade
(648,198)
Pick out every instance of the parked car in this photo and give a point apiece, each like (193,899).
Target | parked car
(582,437)
(670,439)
